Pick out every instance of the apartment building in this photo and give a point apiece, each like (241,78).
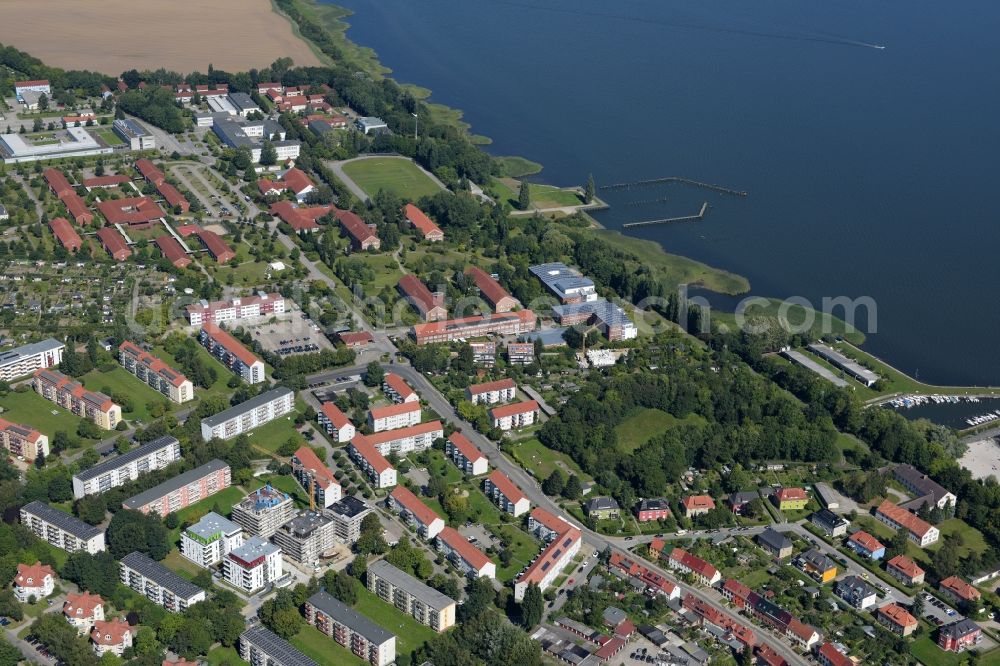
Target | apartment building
(61,529)
(210,539)
(920,531)
(491,393)
(429,306)
(260,646)
(263,511)
(158,584)
(247,307)
(232,354)
(475,326)
(310,472)
(114,636)
(71,395)
(428,606)
(24,360)
(550,562)
(82,610)
(415,512)
(403,441)
(392,417)
(129,466)
(505,494)
(465,455)
(354,631)
(347,515)
(336,423)
(249,414)
(397,390)
(307,537)
(491,291)
(252,565)
(685,562)
(372,463)
(151,370)
(468,559)
(516,415)
(183,490)
(33,582)
(23,441)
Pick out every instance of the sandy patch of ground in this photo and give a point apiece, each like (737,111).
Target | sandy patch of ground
(982,459)
(112,36)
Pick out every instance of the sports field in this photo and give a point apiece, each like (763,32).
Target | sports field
(398,175)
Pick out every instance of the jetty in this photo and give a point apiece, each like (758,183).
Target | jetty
(675,179)
(648,202)
(667,220)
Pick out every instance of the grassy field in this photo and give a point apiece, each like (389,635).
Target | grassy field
(410,634)
(387,272)
(549,196)
(219,387)
(927,651)
(322,649)
(518,167)
(522,549)
(225,499)
(33,410)
(795,319)
(223,655)
(638,428)
(108,136)
(181,565)
(270,436)
(120,381)
(540,460)
(398,175)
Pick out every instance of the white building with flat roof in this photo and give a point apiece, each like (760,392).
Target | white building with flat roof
(76,142)
(253,565)
(250,414)
(210,539)
(24,360)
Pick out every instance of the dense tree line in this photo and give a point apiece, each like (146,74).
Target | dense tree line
(156,106)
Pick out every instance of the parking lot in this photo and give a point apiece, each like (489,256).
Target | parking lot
(291,334)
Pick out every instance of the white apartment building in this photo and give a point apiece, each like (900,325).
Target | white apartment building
(248,415)
(372,463)
(465,455)
(396,388)
(415,512)
(392,417)
(25,360)
(336,423)
(505,494)
(253,565)
(216,312)
(129,466)
(516,415)
(82,610)
(468,559)
(210,539)
(428,606)
(61,529)
(159,584)
(403,441)
(491,393)
(33,581)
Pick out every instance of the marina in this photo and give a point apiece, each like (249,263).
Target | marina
(959,412)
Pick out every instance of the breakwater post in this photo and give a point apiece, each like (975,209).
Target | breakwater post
(667,220)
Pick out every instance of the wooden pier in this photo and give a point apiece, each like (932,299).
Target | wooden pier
(668,220)
(648,202)
(675,179)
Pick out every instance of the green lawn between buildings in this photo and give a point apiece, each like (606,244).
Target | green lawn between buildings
(927,651)
(108,136)
(224,498)
(540,460)
(219,387)
(30,409)
(410,634)
(121,381)
(972,538)
(223,655)
(324,650)
(398,175)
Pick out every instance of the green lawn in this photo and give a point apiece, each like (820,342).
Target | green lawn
(522,549)
(387,272)
(547,196)
(180,564)
(30,409)
(516,167)
(398,175)
(795,317)
(223,655)
(108,136)
(410,634)
(927,651)
(641,426)
(270,436)
(219,387)
(540,460)
(324,650)
(120,381)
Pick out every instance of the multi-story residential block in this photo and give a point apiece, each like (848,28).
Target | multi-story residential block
(260,646)
(24,360)
(183,490)
(347,515)
(905,570)
(415,512)
(71,395)
(959,591)
(816,564)
(829,522)
(307,537)
(685,562)
(656,508)
(484,354)
(61,529)
(403,441)
(866,545)
(372,463)
(896,619)
(465,455)
(263,511)
(491,393)
(252,565)
(310,472)
(790,499)
(232,354)
(520,353)
(514,415)
(159,584)
(33,582)
(775,543)
(505,494)
(409,595)
(354,631)
(475,326)
(546,526)
(856,592)
(397,390)
(23,441)
(249,414)
(391,417)
(697,505)
(491,291)
(336,423)
(959,636)
(468,559)
(920,531)
(210,539)
(83,610)
(555,557)
(114,636)
(129,466)
(247,307)
(429,306)
(155,372)
(925,489)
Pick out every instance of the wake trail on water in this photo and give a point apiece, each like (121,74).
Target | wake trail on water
(788,36)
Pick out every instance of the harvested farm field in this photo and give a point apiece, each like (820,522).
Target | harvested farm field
(112,36)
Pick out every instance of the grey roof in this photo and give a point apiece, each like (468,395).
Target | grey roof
(551,337)
(923,483)
(774,539)
(614,616)
(849,365)
(605,311)
(16,354)
(560,278)
(743,497)
(320,127)
(602,504)
(426,594)
(959,629)
(349,617)
(127,457)
(131,127)
(242,101)
(371,121)
(253,548)
(809,364)
(828,518)
(170,485)
(244,407)
(856,586)
(63,521)
(211,524)
(275,647)
(161,575)
(817,559)
(304,524)
(654,504)
(349,507)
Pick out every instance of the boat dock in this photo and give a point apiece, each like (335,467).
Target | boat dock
(675,179)
(669,220)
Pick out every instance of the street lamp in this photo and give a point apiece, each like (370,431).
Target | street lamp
(416,126)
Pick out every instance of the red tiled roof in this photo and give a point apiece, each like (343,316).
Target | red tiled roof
(898,615)
(398,384)
(32,82)
(502,411)
(105,181)
(786,494)
(833,656)
(607,651)
(81,605)
(905,565)
(296,180)
(410,431)
(63,231)
(960,588)
(173,196)
(188,229)
(76,207)
(355,226)
(767,654)
(657,544)
(299,218)
(57,181)
(370,453)
(110,633)
(695,564)
(506,486)
(355,338)
(800,629)
(24,431)
(266,185)
(172,250)
(149,171)
(549,556)
(736,588)
(153,363)
(901,516)
(488,287)
(423,513)
(419,220)
(472,555)
(231,344)
(334,415)
(866,541)
(133,210)
(698,502)
(498,385)
(310,461)
(418,292)
(114,243)
(216,246)
(465,447)
(36,572)
(421,331)
(394,410)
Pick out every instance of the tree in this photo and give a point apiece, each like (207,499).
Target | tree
(524,196)
(374,374)
(573,489)
(43,102)
(341,586)
(268,153)
(555,483)
(532,606)
(897,545)
(37,126)
(590,191)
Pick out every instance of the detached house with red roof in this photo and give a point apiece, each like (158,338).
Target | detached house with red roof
(505,494)
(419,221)
(905,570)
(866,545)
(362,236)
(310,471)
(83,610)
(415,512)
(895,618)
(959,591)
(429,306)
(513,416)
(66,234)
(33,581)
(300,218)
(791,499)
(697,505)
(293,180)
(336,423)
(113,636)
(491,291)
(685,562)
(829,655)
